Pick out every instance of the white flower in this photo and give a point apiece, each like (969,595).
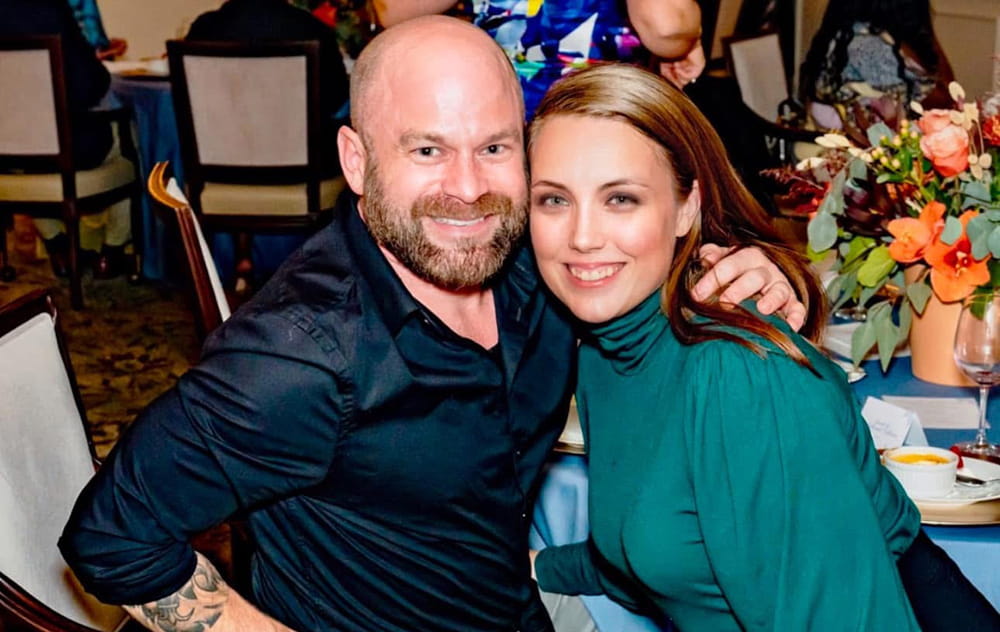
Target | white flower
(833,141)
(956,91)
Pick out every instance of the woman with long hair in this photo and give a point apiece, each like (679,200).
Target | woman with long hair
(733,482)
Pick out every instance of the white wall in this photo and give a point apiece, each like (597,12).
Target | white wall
(147,24)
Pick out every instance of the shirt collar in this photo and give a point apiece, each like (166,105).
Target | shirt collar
(394,301)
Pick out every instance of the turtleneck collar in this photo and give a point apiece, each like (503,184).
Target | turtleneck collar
(626,341)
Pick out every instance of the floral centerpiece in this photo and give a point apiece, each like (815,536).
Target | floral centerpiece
(905,210)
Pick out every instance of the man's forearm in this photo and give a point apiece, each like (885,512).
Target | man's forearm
(205,603)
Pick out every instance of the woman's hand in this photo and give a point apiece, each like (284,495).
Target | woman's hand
(744,273)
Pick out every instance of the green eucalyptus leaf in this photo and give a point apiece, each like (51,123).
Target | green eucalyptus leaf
(980,247)
(952,230)
(886,332)
(905,319)
(877,266)
(857,169)
(822,231)
(883,178)
(977,226)
(977,193)
(993,244)
(877,131)
(993,215)
(918,294)
(849,283)
(856,248)
(862,340)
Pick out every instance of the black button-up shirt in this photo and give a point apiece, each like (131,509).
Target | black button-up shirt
(387,465)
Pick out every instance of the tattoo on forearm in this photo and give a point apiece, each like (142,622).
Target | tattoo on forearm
(194,608)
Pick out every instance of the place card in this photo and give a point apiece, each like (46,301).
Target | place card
(892,426)
(949,413)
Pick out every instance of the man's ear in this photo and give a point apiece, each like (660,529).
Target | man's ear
(689,212)
(352,158)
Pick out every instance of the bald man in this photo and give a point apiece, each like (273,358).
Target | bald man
(382,409)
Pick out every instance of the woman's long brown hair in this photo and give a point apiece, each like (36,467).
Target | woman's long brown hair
(730,215)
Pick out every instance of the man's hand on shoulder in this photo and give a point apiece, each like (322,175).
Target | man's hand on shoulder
(204,603)
(744,273)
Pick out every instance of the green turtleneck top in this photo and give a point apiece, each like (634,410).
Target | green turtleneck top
(731,491)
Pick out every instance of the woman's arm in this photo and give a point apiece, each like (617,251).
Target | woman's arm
(668,28)
(392,12)
(793,531)
(205,602)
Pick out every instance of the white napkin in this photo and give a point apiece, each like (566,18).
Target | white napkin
(892,426)
(951,413)
(837,339)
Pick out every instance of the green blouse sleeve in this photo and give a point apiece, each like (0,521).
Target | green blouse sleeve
(799,520)
(578,569)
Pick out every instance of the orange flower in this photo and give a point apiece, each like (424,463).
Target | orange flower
(991,130)
(911,235)
(945,144)
(954,273)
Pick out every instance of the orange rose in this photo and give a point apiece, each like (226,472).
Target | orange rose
(945,144)
(934,121)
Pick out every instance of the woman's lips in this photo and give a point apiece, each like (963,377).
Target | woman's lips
(593,273)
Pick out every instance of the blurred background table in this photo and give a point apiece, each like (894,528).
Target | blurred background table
(560,515)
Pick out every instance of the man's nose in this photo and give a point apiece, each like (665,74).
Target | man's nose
(465,180)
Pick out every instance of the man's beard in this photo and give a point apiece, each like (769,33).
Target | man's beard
(465,265)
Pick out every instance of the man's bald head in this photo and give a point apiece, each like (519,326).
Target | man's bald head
(454,49)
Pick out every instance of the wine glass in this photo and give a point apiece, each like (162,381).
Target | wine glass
(977,353)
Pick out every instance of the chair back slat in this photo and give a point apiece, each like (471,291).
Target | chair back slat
(760,73)
(45,460)
(249,111)
(27,113)
(187,217)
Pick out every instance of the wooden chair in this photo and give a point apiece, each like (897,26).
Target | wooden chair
(250,130)
(757,65)
(209,298)
(35,130)
(46,457)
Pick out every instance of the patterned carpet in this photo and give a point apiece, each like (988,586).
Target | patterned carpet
(129,344)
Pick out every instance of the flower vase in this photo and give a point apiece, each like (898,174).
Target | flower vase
(932,341)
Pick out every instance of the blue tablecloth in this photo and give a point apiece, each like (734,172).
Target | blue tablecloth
(560,515)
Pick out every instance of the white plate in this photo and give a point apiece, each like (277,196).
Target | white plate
(967,494)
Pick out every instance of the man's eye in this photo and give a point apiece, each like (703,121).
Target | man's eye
(494,149)
(428,152)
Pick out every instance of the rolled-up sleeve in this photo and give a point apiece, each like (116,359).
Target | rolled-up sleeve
(255,421)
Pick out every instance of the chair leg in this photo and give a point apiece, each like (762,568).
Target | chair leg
(7,272)
(75,274)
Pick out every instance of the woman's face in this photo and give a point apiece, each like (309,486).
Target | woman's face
(604,215)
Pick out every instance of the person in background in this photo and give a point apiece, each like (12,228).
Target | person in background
(86,81)
(383,408)
(549,38)
(868,48)
(733,484)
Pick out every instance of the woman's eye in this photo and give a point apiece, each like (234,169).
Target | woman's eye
(621,199)
(550,200)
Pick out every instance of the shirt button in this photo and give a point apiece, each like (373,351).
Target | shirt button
(524,516)
(518,453)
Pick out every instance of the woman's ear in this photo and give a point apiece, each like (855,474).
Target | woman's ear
(352,158)
(689,212)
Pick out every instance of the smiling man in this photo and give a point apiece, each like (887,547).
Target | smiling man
(382,409)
